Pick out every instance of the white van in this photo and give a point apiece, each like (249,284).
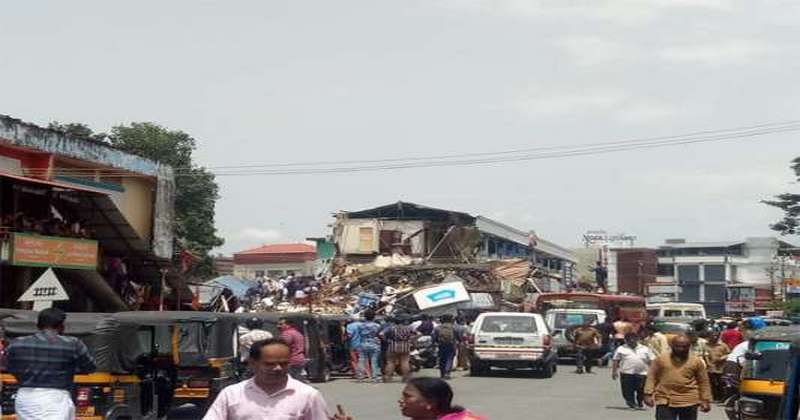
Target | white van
(511,340)
(676,310)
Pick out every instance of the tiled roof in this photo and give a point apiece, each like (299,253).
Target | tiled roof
(280,249)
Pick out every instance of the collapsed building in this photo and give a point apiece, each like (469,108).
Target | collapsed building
(386,255)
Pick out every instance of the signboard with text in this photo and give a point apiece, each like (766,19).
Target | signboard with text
(49,251)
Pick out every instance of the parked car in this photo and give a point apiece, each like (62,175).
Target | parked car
(511,340)
(560,321)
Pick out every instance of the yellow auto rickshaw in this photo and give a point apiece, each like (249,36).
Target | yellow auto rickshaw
(763,375)
(122,386)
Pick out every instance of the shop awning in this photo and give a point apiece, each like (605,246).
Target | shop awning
(51,184)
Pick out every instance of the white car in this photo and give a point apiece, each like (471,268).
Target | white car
(511,340)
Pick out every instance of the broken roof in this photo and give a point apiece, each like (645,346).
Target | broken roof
(411,211)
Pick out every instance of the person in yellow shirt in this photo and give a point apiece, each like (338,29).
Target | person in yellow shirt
(677,383)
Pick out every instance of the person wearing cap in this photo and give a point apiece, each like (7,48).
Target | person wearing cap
(44,365)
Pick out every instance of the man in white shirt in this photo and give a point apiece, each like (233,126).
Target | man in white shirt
(271,393)
(630,363)
(254,333)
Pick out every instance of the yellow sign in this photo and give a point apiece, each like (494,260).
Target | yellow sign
(51,251)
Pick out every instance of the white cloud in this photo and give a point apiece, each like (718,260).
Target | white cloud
(590,51)
(257,234)
(721,53)
(616,105)
(629,12)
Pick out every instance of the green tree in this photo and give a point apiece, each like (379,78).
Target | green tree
(79,130)
(196,188)
(790,204)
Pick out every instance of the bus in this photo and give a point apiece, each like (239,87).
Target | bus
(628,308)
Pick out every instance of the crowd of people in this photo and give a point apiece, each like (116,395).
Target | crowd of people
(49,226)
(678,376)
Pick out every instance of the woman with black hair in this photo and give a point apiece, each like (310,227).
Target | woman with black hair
(431,399)
(425,399)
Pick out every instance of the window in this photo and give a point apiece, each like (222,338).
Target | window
(366,240)
(693,314)
(259,273)
(714,273)
(688,274)
(673,312)
(654,313)
(666,270)
(690,293)
(509,324)
(570,320)
(715,293)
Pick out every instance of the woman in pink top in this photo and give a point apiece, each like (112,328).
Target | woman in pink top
(426,399)
(431,399)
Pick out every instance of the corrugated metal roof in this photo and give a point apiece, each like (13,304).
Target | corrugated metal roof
(703,244)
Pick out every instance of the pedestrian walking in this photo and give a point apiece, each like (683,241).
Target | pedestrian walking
(462,358)
(732,337)
(631,361)
(44,365)
(297,345)
(656,341)
(370,348)
(587,341)
(716,356)
(447,340)
(399,338)
(354,345)
(698,345)
(677,384)
(271,393)
(254,333)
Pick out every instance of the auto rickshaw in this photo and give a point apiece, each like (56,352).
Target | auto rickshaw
(122,386)
(196,350)
(790,406)
(764,369)
(318,364)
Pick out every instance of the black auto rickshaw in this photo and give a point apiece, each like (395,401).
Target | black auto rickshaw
(763,374)
(197,350)
(123,385)
(318,367)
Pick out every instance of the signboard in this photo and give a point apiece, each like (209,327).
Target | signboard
(656,289)
(740,306)
(50,251)
(600,238)
(792,286)
(44,291)
(443,294)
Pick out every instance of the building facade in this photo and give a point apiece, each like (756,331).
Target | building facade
(700,272)
(101,218)
(275,261)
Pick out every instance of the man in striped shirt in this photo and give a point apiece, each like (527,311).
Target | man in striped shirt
(400,338)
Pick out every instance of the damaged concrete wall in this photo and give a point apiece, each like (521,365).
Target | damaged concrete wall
(164,214)
(22,134)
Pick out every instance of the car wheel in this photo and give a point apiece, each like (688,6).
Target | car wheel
(476,369)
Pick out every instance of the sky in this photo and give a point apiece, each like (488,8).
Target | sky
(263,82)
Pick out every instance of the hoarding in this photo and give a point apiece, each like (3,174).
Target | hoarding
(740,306)
(49,251)
(443,294)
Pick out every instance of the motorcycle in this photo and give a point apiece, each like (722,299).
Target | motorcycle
(424,354)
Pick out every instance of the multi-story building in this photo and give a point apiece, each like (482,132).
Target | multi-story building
(700,272)
(275,261)
(101,218)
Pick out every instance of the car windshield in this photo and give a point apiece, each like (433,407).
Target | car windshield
(566,320)
(773,362)
(509,324)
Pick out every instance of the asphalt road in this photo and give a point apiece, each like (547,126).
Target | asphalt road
(504,395)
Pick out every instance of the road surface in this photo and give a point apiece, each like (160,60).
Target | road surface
(504,395)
